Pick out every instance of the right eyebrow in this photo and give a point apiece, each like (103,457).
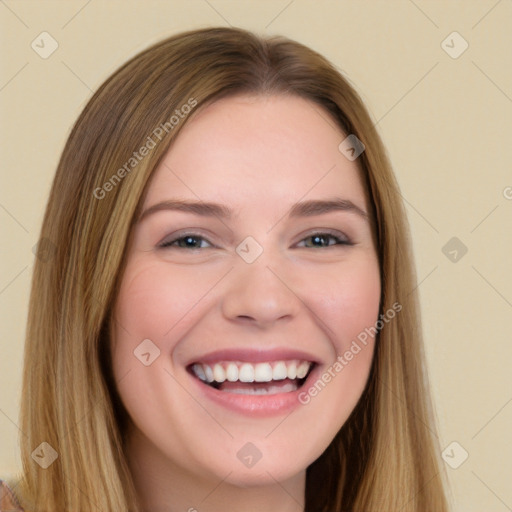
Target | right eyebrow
(196,207)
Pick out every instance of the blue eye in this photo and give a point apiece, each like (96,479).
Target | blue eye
(189,241)
(317,240)
(322,239)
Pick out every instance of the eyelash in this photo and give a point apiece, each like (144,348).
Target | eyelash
(325,234)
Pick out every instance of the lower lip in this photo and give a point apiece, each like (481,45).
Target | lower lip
(256,405)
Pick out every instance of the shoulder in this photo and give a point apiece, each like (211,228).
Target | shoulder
(8,500)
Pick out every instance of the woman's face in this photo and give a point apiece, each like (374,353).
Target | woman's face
(243,270)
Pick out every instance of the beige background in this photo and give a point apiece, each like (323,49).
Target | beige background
(447,123)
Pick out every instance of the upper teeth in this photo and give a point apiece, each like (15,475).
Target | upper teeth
(249,372)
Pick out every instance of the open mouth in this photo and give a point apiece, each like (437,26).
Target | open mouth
(263,378)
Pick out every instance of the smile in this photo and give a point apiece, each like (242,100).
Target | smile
(254,382)
(262,378)
(232,371)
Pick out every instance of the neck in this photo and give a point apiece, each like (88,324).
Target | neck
(163,486)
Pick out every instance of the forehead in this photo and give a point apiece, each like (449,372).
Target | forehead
(249,150)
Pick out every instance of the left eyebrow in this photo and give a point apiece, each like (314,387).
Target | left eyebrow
(302,209)
(312,208)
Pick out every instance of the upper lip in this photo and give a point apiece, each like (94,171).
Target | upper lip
(253,356)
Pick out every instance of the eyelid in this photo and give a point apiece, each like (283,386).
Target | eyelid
(339,235)
(178,235)
(167,242)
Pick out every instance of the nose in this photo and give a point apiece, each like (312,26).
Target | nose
(260,293)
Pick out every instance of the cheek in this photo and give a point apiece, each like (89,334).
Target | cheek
(347,301)
(153,304)
(348,306)
(158,305)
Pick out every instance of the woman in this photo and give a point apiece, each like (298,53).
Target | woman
(230,318)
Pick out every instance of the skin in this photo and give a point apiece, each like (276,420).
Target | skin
(257,156)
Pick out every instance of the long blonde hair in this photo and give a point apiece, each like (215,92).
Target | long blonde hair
(385,457)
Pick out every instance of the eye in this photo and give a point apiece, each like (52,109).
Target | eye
(321,240)
(187,241)
(316,240)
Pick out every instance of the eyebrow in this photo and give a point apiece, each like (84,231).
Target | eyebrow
(301,209)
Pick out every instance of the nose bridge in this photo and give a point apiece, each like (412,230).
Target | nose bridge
(258,288)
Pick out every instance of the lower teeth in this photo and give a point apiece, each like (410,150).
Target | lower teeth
(268,390)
